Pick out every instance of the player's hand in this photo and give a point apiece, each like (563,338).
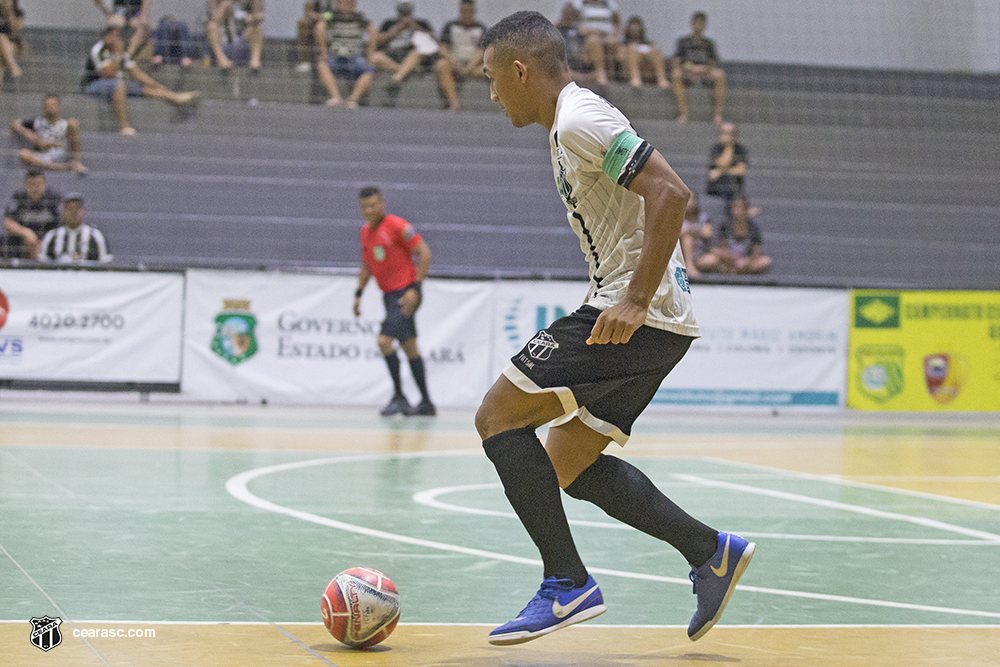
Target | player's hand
(617,324)
(357,306)
(409,301)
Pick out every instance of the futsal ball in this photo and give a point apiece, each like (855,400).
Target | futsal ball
(360,607)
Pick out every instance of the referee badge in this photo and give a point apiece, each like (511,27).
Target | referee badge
(540,347)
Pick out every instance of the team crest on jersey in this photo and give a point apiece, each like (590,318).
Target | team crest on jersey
(45,633)
(565,189)
(235,340)
(540,347)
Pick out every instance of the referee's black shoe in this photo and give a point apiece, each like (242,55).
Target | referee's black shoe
(423,409)
(397,406)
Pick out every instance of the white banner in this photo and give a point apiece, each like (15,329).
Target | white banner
(293,338)
(90,326)
(764,346)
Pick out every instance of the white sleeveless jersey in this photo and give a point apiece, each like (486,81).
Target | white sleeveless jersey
(595,156)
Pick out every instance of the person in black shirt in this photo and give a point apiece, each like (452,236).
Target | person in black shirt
(403,44)
(697,61)
(461,56)
(740,243)
(727,165)
(30,215)
(346,39)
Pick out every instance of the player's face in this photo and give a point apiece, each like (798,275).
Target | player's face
(373,208)
(506,88)
(72,214)
(35,186)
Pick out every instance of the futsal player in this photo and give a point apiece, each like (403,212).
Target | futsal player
(595,370)
(388,245)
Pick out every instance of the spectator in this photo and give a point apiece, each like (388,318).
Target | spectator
(346,40)
(55,141)
(173,42)
(131,13)
(696,236)
(600,24)
(697,61)
(740,244)
(31,213)
(569,27)
(388,246)
(238,21)
(11,20)
(461,56)
(104,76)
(305,34)
(74,241)
(639,54)
(727,165)
(403,44)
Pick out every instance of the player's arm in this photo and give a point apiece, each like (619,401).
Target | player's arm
(363,275)
(18,127)
(104,10)
(411,298)
(666,198)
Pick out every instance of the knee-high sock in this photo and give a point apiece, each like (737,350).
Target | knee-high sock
(531,486)
(420,377)
(626,494)
(392,361)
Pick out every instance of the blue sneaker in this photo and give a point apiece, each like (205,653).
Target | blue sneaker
(715,581)
(556,605)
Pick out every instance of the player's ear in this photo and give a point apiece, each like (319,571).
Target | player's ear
(521,70)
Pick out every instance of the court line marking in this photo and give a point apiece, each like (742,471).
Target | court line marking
(236,486)
(832,504)
(429,498)
(59,609)
(987,626)
(839,479)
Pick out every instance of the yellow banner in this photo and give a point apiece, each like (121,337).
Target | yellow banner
(933,351)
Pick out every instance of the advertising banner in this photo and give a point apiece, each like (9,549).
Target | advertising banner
(90,326)
(928,351)
(293,338)
(763,346)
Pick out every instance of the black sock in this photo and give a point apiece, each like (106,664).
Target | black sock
(392,361)
(626,494)
(531,486)
(417,368)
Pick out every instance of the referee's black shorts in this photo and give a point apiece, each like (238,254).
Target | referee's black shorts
(396,324)
(606,386)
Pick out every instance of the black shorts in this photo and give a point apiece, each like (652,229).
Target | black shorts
(606,386)
(396,324)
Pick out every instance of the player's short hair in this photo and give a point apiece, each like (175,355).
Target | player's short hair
(700,15)
(528,35)
(369,191)
(49,96)
(466,2)
(33,173)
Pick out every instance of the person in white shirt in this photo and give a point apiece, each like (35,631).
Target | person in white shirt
(594,371)
(55,141)
(74,241)
(600,23)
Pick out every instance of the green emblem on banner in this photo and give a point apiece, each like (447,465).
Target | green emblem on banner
(881,371)
(876,312)
(235,340)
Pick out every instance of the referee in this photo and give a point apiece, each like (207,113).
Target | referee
(388,245)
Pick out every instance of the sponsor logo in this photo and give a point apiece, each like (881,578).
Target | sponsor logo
(681,276)
(881,371)
(724,567)
(235,340)
(540,347)
(944,375)
(562,611)
(876,312)
(45,632)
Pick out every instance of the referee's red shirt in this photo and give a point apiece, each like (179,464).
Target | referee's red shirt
(387,250)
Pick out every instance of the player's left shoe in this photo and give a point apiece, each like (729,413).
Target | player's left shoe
(715,581)
(557,604)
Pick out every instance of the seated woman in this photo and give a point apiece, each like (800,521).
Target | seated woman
(740,244)
(696,236)
(640,57)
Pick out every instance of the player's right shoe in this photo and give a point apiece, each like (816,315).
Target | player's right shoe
(397,406)
(423,409)
(557,604)
(715,581)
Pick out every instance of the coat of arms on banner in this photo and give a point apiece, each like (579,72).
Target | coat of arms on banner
(944,375)
(881,371)
(235,340)
(45,632)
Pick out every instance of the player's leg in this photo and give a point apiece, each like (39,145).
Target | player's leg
(140,30)
(8,54)
(361,86)
(254,36)
(119,104)
(425,408)
(677,80)
(329,81)
(397,405)
(444,70)
(718,78)
(213,32)
(507,421)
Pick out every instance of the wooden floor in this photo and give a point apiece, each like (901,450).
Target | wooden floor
(878,538)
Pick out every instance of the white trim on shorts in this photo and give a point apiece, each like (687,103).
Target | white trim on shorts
(568,400)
